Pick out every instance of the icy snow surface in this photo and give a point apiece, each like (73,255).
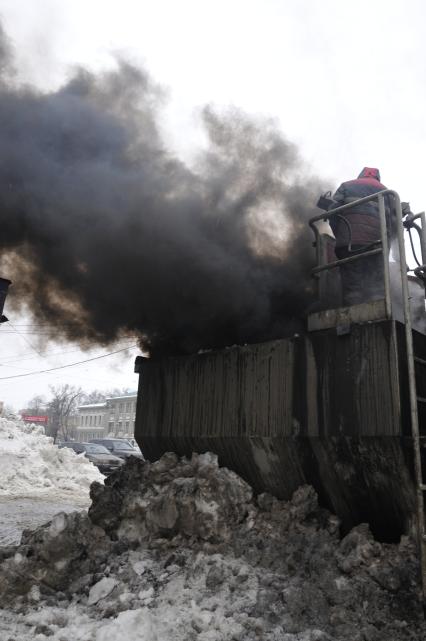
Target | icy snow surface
(31,465)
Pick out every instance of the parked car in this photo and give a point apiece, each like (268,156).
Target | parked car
(119,446)
(98,455)
(133,443)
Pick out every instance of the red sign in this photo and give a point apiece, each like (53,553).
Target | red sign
(35,419)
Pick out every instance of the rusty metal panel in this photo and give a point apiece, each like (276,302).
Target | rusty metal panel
(244,390)
(321,384)
(358,381)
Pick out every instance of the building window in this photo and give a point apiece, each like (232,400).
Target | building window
(127,426)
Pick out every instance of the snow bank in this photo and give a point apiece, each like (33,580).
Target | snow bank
(30,464)
(178,550)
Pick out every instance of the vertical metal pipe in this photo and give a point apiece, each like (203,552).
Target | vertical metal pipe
(412,390)
(385,255)
(318,255)
(318,246)
(423,236)
(423,246)
(313,226)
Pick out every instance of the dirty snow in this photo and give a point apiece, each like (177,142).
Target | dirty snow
(151,563)
(31,465)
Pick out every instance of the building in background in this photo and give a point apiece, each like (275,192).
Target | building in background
(90,421)
(114,417)
(121,413)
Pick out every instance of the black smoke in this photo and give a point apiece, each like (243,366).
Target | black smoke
(107,233)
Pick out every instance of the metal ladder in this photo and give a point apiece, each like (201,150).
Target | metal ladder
(419,441)
(414,361)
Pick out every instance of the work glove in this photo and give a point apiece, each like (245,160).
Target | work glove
(406,211)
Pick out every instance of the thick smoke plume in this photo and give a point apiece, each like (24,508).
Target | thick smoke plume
(106,233)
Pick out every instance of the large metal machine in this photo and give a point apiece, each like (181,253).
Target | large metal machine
(341,407)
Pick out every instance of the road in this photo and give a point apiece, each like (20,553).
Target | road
(20,513)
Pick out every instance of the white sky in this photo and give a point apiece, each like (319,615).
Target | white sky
(346,81)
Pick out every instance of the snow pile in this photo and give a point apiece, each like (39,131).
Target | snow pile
(30,464)
(179,550)
(195,499)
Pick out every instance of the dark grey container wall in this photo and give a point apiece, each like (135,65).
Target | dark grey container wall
(319,408)
(358,386)
(239,391)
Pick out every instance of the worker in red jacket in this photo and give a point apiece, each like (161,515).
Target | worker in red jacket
(356,230)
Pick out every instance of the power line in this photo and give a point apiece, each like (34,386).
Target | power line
(25,339)
(44,356)
(39,332)
(52,369)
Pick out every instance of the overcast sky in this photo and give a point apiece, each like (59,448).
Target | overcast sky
(345,80)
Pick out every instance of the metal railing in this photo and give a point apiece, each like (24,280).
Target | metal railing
(420,271)
(382,248)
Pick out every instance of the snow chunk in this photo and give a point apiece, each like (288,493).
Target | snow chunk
(139,567)
(131,624)
(146,594)
(101,589)
(57,524)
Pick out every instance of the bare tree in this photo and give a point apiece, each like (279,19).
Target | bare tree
(95,396)
(36,405)
(61,408)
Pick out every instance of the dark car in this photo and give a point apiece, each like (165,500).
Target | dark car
(98,455)
(118,446)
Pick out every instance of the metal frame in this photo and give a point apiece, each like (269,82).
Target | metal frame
(411,359)
(384,246)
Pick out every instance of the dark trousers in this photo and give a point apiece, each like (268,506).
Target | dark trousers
(362,279)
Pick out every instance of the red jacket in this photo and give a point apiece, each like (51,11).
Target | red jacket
(363,219)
